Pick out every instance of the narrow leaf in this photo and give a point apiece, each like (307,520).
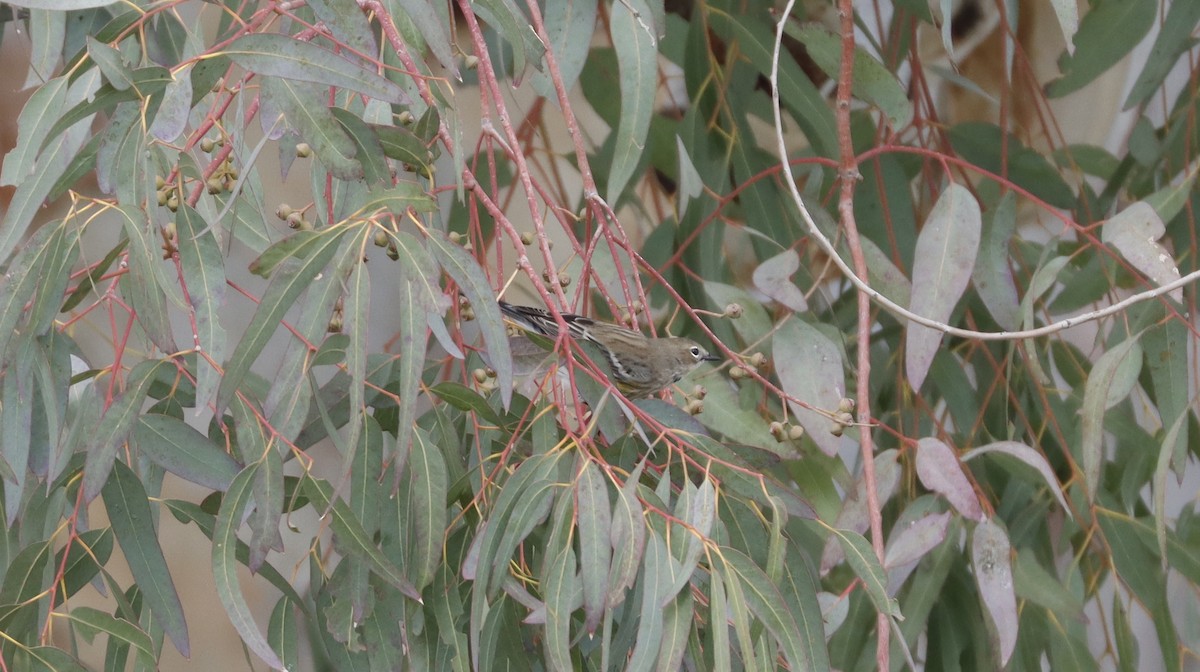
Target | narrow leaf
(204,272)
(132,521)
(1097,395)
(355,539)
(637,55)
(282,56)
(285,287)
(469,277)
(225,567)
(427,492)
(595,531)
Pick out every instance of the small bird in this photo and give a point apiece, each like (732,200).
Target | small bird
(639,365)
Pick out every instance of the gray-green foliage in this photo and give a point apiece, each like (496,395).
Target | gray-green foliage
(1021,485)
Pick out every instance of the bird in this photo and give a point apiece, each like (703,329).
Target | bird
(639,365)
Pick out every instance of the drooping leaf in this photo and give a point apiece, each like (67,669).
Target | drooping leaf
(941,471)
(225,567)
(129,512)
(1135,232)
(992,562)
(942,266)
(636,42)
(1120,363)
(204,271)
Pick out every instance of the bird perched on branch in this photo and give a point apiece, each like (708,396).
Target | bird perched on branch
(638,364)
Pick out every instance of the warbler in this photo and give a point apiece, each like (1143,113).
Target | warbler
(638,365)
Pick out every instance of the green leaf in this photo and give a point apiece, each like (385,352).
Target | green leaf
(1098,396)
(595,534)
(1106,34)
(47,31)
(90,621)
(1134,232)
(436,33)
(369,151)
(299,103)
(53,161)
(21,281)
(225,567)
(354,538)
(281,56)
(472,282)
(173,445)
(172,116)
(628,539)
(867,568)
(561,588)
(636,43)
(88,553)
(1036,583)
(991,562)
(345,19)
(145,82)
(1173,41)
(401,144)
(570,26)
(656,572)
(873,82)
(111,63)
(981,144)
(204,272)
(465,399)
(148,290)
(427,504)
(118,421)
(677,624)
(796,91)
(43,108)
(992,276)
(49,658)
(283,633)
(768,605)
(285,287)
(129,512)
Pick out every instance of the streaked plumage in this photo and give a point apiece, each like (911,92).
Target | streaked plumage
(639,365)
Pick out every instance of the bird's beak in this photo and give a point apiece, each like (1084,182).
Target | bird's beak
(711,358)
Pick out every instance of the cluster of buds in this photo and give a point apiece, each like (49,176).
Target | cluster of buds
(563,278)
(694,400)
(168,195)
(294,218)
(485,379)
(756,361)
(785,431)
(223,178)
(842,417)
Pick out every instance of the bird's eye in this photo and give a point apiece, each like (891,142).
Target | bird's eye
(696,351)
